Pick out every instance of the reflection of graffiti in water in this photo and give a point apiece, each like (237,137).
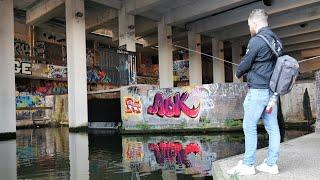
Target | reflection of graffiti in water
(172,106)
(133,151)
(132,106)
(173,152)
(30,101)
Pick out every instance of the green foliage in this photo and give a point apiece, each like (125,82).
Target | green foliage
(232,123)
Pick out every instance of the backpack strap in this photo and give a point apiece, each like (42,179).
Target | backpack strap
(268,43)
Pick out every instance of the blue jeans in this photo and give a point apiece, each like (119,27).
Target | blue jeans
(254,109)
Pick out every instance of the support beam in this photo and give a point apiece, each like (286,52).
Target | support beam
(165,55)
(236,58)
(127,36)
(301,38)
(77,72)
(302,46)
(136,7)
(44,11)
(7,76)
(280,20)
(195,64)
(240,15)
(310,53)
(199,9)
(218,66)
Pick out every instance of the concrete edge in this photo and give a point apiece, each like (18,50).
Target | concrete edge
(217,171)
(7,136)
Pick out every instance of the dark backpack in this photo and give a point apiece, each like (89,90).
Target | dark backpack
(285,72)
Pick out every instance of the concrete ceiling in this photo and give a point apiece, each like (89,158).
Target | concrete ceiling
(296,21)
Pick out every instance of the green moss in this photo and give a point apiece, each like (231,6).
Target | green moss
(143,126)
(78,129)
(232,123)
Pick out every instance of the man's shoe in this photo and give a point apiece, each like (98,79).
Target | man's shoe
(242,169)
(264,167)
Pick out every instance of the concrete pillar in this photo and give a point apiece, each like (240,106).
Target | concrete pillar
(8,159)
(7,76)
(165,55)
(79,156)
(236,57)
(195,64)
(76,57)
(127,35)
(218,66)
(317,76)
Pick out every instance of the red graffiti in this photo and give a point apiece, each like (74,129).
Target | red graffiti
(132,106)
(172,106)
(173,152)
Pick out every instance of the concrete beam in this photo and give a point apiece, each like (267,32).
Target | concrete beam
(280,20)
(241,14)
(136,7)
(302,46)
(116,4)
(99,18)
(199,9)
(301,38)
(44,11)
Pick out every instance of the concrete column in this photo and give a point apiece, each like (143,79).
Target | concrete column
(127,35)
(317,76)
(195,64)
(165,55)
(8,158)
(7,76)
(218,66)
(236,57)
(79,156)
(76,57)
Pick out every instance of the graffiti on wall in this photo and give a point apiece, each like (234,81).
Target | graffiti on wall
(57,71)
(133,106)
(97,75)
(181,70)
(53,88)
(22,67)
(30,101)
(21,48)
(173,106)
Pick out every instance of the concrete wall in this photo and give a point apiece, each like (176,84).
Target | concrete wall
(292,103)
(217,105)
(189,107)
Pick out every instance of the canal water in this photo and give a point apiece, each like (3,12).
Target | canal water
(54,153)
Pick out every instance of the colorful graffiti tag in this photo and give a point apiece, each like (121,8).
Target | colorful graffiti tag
(97,75)
(30,101)
(173,152)
(172,106)
(57,71)
(133,105)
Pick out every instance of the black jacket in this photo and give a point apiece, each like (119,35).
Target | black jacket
(259,60)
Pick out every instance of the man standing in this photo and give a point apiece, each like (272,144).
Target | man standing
(258,65)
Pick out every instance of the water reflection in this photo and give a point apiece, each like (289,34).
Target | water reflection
(8,168)
(58,154)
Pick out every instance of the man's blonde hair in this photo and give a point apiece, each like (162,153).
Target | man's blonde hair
(259,16)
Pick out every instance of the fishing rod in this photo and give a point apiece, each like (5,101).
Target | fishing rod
(223,60)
